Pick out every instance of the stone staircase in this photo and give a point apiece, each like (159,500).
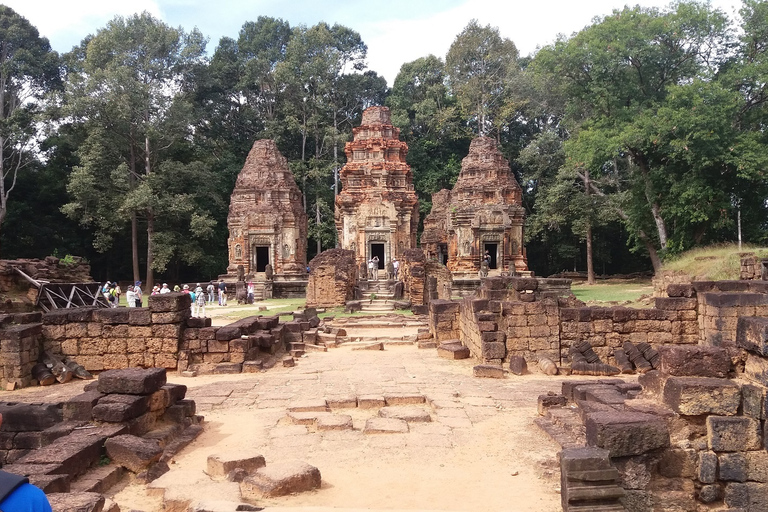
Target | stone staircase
(376,297)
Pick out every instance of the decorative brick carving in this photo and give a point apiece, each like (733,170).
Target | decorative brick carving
(483,212)
(267,223)
(377,212)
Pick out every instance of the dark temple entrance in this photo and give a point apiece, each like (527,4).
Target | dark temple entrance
(443,253)
(378,250)
(261,253)
(492,250)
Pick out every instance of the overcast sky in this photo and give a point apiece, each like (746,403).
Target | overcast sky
(396,31)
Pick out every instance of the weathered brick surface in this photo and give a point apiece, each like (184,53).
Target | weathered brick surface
(733,434)
(695,361)
(132,381)
(693,396)
(624,434)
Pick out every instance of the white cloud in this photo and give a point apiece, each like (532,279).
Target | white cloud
(66,23)
(529,25)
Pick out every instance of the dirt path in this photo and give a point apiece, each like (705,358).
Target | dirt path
(481,452)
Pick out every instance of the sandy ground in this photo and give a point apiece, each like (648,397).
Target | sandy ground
(481,452)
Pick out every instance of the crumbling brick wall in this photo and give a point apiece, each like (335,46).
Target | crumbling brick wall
(423,279)
(511,311)
(111,338)
(20,346)
(721,303)
(444,322)
(332,278)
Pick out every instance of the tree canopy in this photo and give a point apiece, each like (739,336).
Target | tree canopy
(640,136)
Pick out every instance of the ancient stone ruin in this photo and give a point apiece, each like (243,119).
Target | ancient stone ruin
(267,223)
(377,211)
(332,278)
(483,213)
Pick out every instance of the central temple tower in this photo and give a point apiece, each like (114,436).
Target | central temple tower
(377,212)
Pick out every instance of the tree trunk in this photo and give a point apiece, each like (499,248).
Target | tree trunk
(649,245)
(150,221)
(134,222)
(661,227)
(317,221)
(590,260)
(150,257)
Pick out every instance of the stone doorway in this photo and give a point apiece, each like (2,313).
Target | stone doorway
(492,249)
(378,250)
(261,257)
(442,255)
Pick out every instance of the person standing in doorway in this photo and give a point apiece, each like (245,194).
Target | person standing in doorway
(370,268)
(375,268)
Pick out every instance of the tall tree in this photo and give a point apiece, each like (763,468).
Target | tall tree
(619,74)
(28,70)
(478,66)
(130,88)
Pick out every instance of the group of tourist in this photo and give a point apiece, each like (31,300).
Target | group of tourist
(200,297)
(373,268)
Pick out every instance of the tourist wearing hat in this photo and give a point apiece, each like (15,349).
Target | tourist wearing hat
(165,289)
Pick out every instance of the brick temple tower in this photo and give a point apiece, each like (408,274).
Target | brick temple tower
(482,213)
(377,212)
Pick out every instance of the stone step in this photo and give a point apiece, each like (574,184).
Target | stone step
(296,353)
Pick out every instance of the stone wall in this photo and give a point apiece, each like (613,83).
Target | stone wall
(691,440)
(20,348)
(423,279)
(508,318)
(104,339)
(721,303)
(332,278)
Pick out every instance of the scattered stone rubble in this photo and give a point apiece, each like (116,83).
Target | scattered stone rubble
(130,418)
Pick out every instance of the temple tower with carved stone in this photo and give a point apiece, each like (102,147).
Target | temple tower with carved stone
(377,212)
(267,223)
(482,213)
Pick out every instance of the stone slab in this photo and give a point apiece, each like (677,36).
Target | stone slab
(453,351)
(371,401)
(327,422)
(132,381)
(318,405)
(733,434)
(77,502)
(385,426)
(221,465)
(280,479)
(626,433)
(488,371)
(409,413)
(694,361)
(693,396)
(132,452)
(404,398)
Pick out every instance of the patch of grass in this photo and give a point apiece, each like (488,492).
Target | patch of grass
(715,263)
(614,291)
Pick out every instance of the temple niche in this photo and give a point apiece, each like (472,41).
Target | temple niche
(267,223)
(377,211)
(482,213)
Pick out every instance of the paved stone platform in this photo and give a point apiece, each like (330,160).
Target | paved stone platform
(481,442)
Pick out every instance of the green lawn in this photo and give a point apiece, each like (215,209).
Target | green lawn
(612,292)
